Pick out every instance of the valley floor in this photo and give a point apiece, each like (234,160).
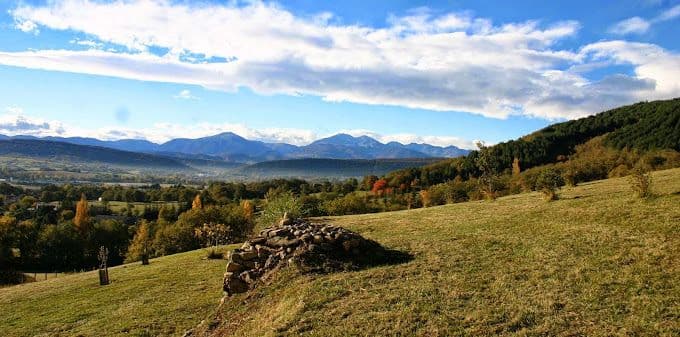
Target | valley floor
(597,262)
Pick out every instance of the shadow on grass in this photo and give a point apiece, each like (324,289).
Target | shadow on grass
(367,254)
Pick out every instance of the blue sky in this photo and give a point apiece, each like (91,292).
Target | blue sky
(443,72)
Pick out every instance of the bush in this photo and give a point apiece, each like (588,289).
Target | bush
(352,203)
(278,204)
(548,181)
(181,236)
(641,183)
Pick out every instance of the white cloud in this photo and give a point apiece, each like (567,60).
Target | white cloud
(88,43)
(27,26)
(448,62)
(186,94)
(408,138)
(14,122)
(669,14)
(638,25)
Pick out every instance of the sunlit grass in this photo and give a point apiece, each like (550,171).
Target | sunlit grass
(167,297)
(596,262)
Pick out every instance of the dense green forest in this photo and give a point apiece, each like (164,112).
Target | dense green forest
(61,227)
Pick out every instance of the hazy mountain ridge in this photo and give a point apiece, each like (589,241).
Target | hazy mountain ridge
(234,148)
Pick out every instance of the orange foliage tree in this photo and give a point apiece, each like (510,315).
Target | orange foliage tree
(379,186)
(82,217)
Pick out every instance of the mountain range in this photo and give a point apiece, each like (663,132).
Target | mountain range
(234,148)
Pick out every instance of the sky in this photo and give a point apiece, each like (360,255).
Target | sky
(440,72)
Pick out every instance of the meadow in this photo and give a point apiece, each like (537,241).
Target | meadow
(596,262)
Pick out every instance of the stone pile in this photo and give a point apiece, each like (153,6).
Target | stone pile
(311,247)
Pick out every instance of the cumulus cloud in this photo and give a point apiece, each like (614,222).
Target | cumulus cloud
(13,122)
(442,62)
(185,94)
(638,25)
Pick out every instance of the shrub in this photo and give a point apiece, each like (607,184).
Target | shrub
(548,181)
(278,204)
(641,183)
(352,203)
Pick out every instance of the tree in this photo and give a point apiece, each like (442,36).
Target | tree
(641,183)
(487,165)
(548,181)
(516,180)
(139,247)
(82,218)
(197,203)
(248,209)
(425,198)
(278,204)
(213,234)
(379,186)
(515,167)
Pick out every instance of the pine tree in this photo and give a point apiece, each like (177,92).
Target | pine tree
(82,217)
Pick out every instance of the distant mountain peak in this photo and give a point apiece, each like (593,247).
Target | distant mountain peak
(344,139)
(231,146)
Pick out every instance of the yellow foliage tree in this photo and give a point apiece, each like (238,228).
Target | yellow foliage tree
(82,218)
(248,209)
(198,203)
(426,198)
(140,244)
(515,167)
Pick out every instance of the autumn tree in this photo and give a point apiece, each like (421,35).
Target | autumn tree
(515,167)
(248,209)
(516,181)
(82,218)
(379,186)
(425,198)
(197,203)
(139,247)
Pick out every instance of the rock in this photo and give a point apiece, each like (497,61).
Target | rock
(236,286)
(233,267)
(310,246)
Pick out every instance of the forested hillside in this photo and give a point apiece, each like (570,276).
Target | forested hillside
(640,127)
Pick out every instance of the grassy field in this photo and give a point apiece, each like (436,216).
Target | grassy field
(597,262)
(165,298)
(121,206)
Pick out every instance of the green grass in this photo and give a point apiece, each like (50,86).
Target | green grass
(597,262)
(121,206)
(167,297)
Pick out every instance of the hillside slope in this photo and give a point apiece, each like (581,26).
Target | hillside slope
(165,298)
(330,168)
(597,262)
(51,150)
